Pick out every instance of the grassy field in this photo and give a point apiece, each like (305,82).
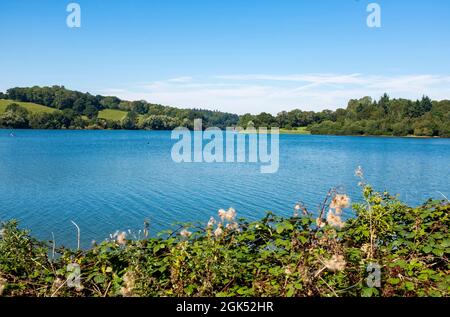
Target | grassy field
(300,130)
(31,107)
(112,114)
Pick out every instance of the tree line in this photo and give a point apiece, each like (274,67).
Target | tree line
(365,116)
(77,110)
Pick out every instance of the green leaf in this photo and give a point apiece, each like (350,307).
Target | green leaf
(393,281)
(427,249)
(423,277)
(290,292)
(367,292)
(438,252)
(445,243)
(242,291)
(99,279)
(409,286)
(289,226)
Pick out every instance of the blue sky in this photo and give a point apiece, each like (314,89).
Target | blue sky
(232,55)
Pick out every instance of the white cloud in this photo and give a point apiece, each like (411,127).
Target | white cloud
(312,78)
(255,93)
(183,79)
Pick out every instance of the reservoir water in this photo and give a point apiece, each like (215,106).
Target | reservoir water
(114,180)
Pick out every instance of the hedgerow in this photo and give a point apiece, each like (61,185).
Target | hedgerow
(386,249)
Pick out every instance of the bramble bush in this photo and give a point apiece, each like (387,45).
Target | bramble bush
(304,255)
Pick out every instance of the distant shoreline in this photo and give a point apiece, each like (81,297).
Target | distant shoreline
(59,108)
(282,132)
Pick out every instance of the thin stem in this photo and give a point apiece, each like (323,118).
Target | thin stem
(324,204)
(78,236)
(54,246)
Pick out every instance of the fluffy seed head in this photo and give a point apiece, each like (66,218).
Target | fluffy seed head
(336,263)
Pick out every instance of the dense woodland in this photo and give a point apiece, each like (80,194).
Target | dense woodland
(398,117)
(77,110)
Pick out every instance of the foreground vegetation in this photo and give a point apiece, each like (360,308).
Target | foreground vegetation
(67,109)
(304,255)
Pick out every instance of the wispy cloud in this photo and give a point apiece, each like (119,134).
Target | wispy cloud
(311,78)
(183,79)
(255,93)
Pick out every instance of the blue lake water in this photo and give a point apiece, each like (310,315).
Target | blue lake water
(113,180)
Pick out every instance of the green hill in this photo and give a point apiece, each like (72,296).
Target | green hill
(115,115)
(112,114)
(31,107)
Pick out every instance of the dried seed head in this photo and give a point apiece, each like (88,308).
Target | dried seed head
(335,220)
(218,232)
(336,263)
(340,201)
(211,223)
(129,281)
(2,285)
(122,238)
(185,233)
(320,223)
(228,215)
(233,226)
